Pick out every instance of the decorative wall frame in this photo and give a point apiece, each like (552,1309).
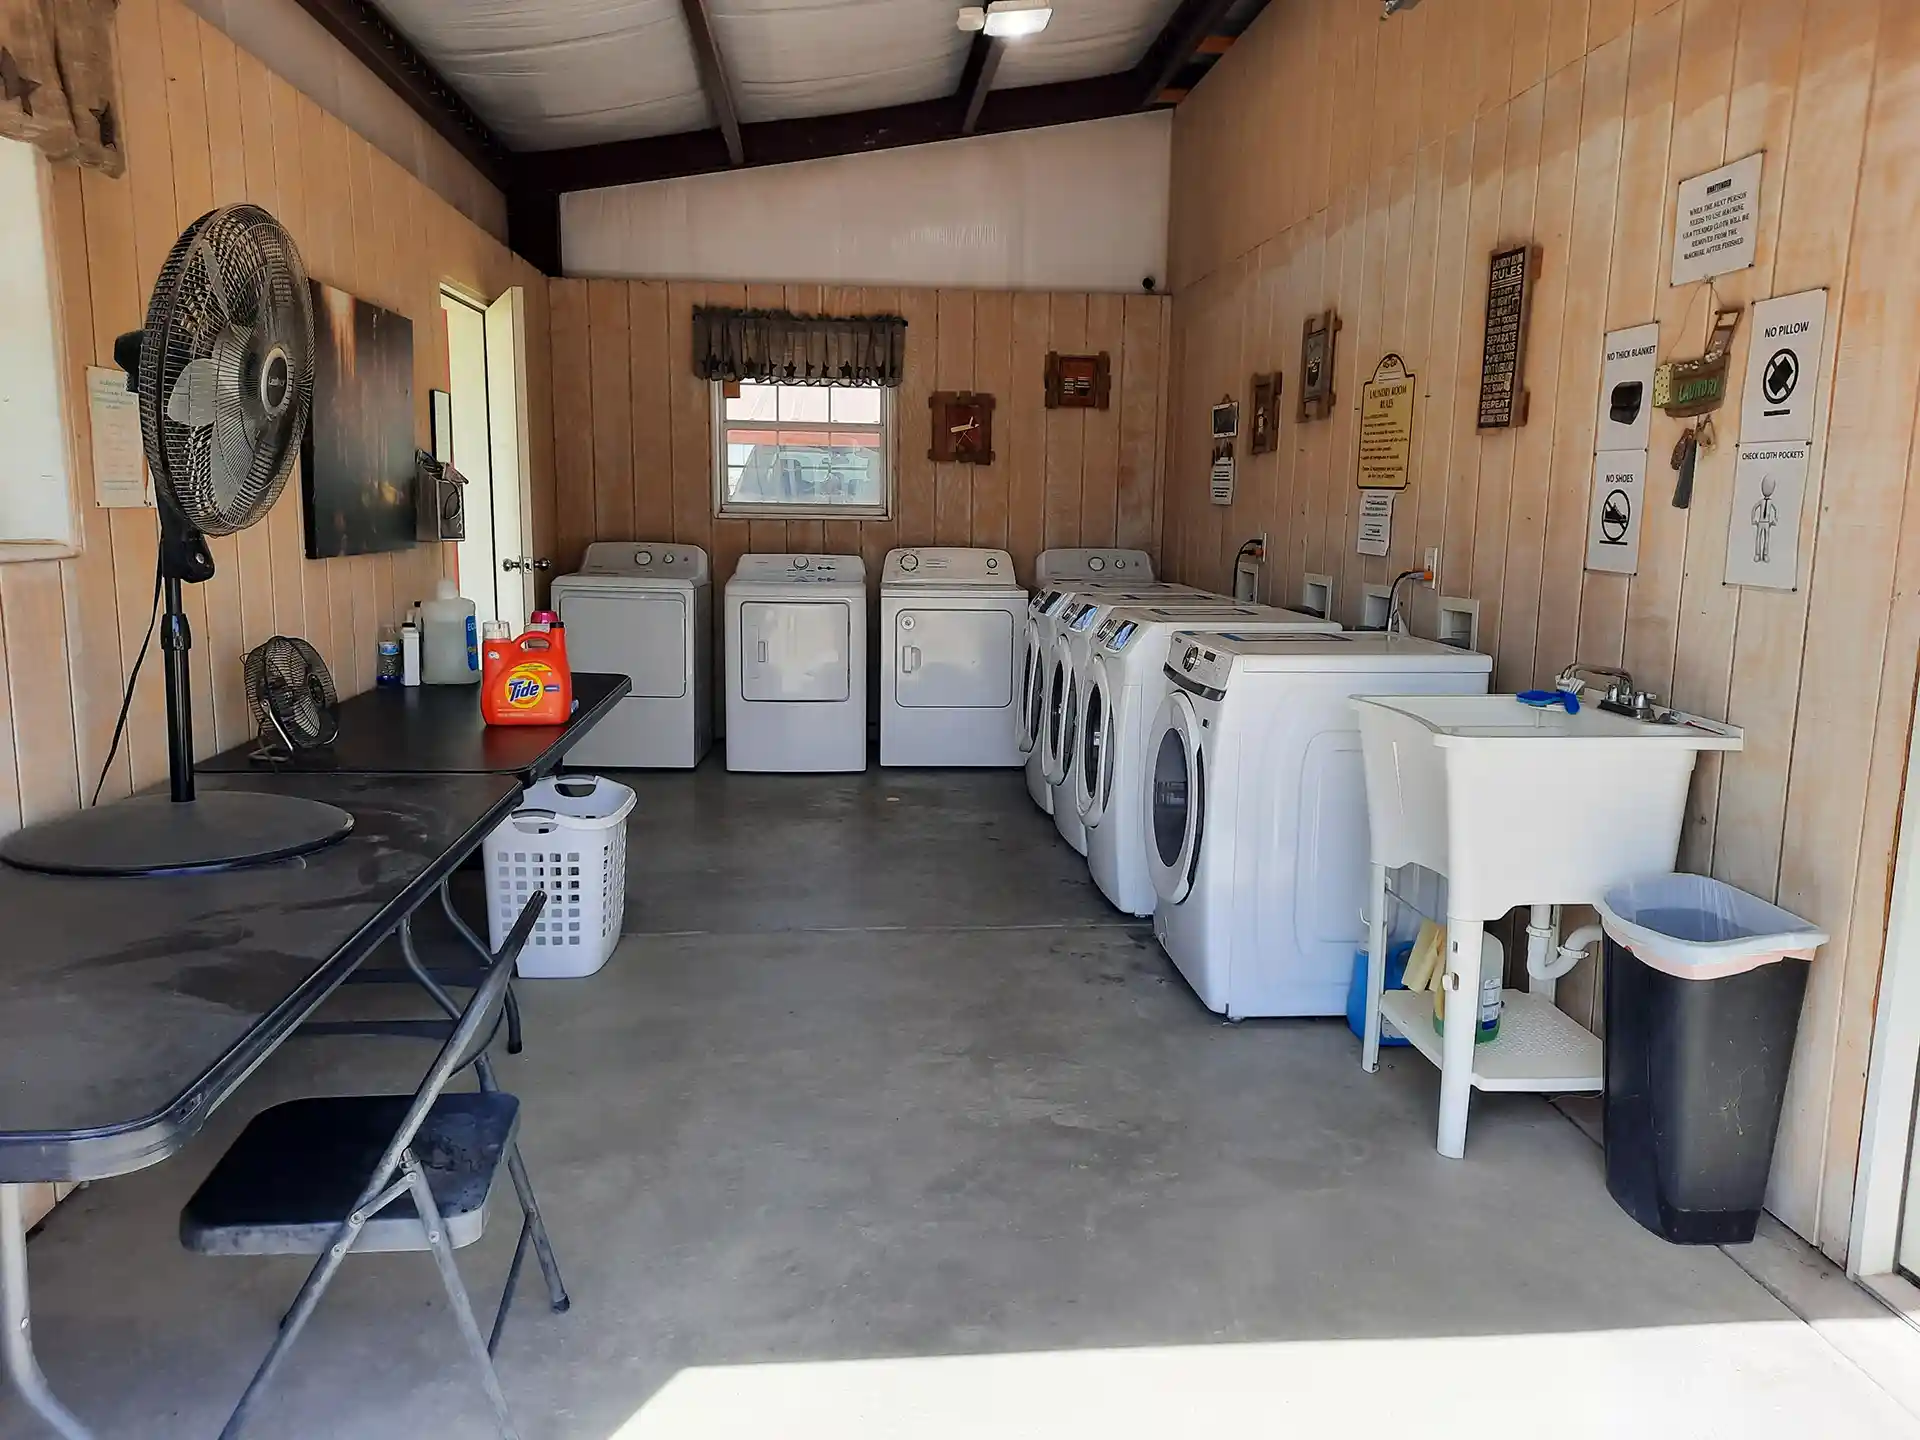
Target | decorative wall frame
(1079,382)
(962,427)
(1263,436)
(1317,338)
(1511,272)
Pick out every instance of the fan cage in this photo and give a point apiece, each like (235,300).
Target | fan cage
(226,368)
(291,695)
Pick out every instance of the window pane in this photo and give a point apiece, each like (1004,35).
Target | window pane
(804,402)
(855,404)
(755,402)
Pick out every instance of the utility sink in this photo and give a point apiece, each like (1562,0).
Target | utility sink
(1522,806)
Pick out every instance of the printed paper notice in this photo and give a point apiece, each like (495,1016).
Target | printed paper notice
(1783,359)
(1717,221)
(1626,388)
(119,455)
(1763,532)
(1613,527)
(1376,522)
(1386,426)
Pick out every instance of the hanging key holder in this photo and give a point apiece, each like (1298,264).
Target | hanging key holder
(1685,388)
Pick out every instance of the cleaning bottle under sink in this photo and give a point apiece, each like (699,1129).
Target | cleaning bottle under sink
(1493,975)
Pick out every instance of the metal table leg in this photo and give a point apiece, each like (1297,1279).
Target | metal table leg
(17,1340)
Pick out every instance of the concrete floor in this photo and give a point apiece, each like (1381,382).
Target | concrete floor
(880,1123)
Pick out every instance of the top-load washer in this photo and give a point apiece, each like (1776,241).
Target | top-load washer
(1123,688)
(1255,800)
(796,628)
(643,609)
(951,624)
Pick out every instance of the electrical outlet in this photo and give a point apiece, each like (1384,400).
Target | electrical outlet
(1263,547)
(1433,564)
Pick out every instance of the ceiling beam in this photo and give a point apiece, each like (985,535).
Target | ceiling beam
(713,78)
(391,57)
(1179,40)
(976,78)
(782,142)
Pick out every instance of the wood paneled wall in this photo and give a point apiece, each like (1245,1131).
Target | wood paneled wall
(633,434)
(1333,159)
(205,124)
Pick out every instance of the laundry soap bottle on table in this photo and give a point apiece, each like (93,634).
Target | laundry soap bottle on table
(450,642)
(526,681)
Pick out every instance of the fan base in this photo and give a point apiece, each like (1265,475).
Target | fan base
(154,835)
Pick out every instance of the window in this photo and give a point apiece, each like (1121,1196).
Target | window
(782,449)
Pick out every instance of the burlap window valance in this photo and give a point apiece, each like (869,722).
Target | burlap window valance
(56,79)
(779,347)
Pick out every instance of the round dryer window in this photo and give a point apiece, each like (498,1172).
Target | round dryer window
(1093,744)
(1172,794)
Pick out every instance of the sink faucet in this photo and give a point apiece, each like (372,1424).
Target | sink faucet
(1622,696)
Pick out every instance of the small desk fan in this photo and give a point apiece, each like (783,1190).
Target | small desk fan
(224,372)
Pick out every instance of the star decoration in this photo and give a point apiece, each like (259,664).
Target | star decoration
(14,85)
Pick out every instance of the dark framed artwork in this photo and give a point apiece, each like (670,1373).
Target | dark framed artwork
(1265,436)
(962,428)
(1316,366)
(357,471)
(1079,382)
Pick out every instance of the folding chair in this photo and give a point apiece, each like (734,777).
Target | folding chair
(381,1172)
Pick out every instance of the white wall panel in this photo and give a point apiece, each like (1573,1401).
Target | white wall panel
(1077,207)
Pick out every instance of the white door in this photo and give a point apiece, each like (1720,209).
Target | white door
(1176,798)
(642,635)
(795,650)
(512,456)
(953,659)
(1099,736)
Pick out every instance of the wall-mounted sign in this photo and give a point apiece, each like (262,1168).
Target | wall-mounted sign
(1226,427)
(1685,388)
(1763,531)
(1717,221)
(1078,382)
(1783,359)
(1613,520)
(1376,522)
(1264,438)
(119,454)
(1503,367)
(1626,388)
(1386,426)
(1316,366)
(962,428)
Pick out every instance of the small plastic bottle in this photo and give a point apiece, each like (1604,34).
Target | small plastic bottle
(387,665)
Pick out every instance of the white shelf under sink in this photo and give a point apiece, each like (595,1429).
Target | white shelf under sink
(1540,1047)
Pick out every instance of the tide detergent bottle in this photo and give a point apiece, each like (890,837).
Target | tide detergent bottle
(527,681)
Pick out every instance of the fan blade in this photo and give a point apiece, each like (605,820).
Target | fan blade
(194,400)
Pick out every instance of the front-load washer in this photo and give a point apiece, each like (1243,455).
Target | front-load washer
(1256,808)
(1078,641)
(643,609)
(952,623)
(796,628)
(1124,686)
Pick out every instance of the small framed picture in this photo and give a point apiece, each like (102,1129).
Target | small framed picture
(1079,382)
(1265,438)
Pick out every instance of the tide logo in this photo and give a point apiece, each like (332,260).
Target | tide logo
(525,682)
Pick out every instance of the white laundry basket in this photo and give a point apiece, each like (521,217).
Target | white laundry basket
(568,838)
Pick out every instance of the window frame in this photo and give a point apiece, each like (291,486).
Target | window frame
(723,509)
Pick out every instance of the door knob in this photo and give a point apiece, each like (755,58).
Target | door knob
(511,564)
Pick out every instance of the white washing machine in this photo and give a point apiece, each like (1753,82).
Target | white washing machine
(952,622)
(1255,801)
(1124,687)
(1045,691)
(1079,639)
(796,629)
(644,610)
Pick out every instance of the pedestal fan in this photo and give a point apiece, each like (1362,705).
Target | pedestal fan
(224,372)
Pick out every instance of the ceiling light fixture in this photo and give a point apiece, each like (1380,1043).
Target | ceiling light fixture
(1007,19)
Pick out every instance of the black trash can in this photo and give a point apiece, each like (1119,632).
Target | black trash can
(1703,991)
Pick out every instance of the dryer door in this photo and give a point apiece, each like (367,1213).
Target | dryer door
(953,659)
(1030,715)
(796,650)
(1093,766)
(1176,798)
(641,634)
(1056,747)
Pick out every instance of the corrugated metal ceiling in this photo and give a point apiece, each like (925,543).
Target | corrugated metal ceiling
(551,73)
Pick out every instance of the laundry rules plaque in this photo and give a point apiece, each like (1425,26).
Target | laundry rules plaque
(1503,366)
(1386,426)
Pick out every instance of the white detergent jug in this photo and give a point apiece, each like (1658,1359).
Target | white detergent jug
(450,642)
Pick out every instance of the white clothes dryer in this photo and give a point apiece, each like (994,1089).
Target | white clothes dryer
(952,622)
(643,609)
(796,628)
(1092,566)
(1255,802)
(1124,687)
